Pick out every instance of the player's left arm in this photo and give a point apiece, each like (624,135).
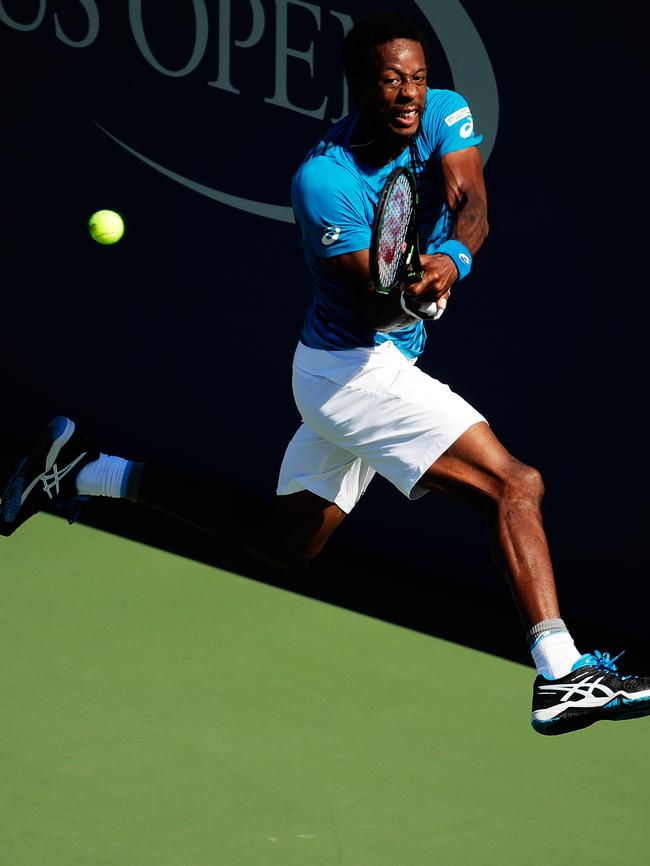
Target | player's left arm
(464,186)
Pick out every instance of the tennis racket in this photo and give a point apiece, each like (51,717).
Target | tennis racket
(394,252)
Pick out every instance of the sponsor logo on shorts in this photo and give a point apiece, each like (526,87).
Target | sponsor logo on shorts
(331,234)
(457,115)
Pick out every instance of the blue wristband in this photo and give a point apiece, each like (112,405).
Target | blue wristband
(459,254)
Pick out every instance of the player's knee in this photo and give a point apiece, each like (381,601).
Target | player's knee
(523,483)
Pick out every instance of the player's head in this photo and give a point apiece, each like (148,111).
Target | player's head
(385,62)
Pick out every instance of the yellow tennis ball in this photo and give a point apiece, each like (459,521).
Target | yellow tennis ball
(106,226)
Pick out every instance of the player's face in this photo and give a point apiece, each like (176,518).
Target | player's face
(392,96)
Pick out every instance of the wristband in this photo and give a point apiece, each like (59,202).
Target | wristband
(459,254)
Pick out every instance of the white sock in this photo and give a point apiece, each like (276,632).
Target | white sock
(554,654)
(103,477)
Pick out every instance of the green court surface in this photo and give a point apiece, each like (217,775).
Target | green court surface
(156,710)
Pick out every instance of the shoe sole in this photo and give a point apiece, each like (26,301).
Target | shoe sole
(617,710)
(61,430)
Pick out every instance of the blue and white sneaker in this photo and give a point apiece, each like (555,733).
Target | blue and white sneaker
(46,477)
(592,691)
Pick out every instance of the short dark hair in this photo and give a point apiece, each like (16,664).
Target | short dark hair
(376,29)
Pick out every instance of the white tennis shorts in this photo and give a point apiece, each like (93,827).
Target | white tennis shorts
(367,410)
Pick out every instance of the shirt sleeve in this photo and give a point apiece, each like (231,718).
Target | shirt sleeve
(329,208)
(448,123)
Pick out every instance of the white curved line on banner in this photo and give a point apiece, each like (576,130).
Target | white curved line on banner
(259,208)
(470,65)
(474,80)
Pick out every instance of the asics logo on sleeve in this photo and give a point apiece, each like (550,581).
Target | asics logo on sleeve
(464,258)
(331,234)
(467,129)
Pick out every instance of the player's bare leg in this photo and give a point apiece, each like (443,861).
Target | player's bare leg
(289,533)
(65,465)
(479,471)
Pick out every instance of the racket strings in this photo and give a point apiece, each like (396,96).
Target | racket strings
(393,230)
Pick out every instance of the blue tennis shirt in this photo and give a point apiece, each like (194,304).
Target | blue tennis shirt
(334,197)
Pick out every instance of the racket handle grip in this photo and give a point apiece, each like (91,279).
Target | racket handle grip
(413,277)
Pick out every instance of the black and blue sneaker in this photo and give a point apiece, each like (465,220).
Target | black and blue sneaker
(591,692)
(45,478)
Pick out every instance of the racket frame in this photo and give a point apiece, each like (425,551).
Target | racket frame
(409,269)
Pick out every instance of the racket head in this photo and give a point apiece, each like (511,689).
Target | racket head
(394,239)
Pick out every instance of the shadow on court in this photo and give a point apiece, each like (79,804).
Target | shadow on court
(345,577)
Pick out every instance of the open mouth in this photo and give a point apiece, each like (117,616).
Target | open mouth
(405,118)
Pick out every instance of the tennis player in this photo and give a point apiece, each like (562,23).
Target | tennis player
(365,406)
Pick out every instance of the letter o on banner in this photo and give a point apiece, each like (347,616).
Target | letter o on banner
(200,40)
(16,25)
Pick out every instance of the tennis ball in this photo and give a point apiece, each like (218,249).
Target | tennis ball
(106,226)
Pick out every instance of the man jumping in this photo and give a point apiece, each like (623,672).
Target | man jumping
(365,406)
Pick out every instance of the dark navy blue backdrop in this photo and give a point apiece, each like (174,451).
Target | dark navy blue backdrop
(175,345)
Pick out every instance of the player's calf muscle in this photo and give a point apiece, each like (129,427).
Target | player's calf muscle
(299,529)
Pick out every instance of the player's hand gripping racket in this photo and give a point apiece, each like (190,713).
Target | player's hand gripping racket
(394,252)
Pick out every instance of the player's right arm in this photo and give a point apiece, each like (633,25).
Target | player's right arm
(352,272)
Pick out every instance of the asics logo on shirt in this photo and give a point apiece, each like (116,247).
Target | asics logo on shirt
(467,129)
(331,234)
(457,115)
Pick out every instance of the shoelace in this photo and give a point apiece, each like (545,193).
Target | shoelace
(603,662)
